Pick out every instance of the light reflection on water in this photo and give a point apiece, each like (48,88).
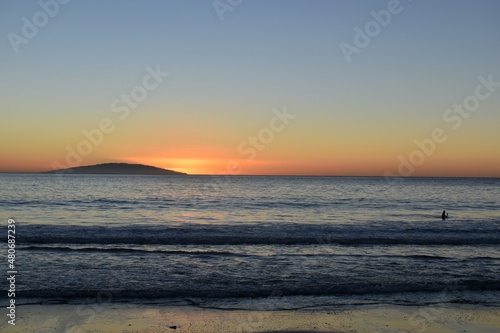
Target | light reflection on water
(85,199)
(223,241)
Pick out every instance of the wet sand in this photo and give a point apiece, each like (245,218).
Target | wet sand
(129,318)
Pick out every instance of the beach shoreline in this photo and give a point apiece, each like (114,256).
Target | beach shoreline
(134,318)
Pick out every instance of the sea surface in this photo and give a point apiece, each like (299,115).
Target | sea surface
(248,242)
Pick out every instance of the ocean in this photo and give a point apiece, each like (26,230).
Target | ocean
(249,242)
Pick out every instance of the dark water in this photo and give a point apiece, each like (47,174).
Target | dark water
(254,242)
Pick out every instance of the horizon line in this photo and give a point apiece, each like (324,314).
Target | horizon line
(247,175)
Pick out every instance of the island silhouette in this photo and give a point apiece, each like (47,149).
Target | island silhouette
(118,169)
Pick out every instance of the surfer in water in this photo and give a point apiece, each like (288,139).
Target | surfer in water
(444,216)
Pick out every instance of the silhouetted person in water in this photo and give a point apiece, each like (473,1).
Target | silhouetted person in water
(444,216)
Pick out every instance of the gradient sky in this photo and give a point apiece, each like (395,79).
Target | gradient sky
(227,76)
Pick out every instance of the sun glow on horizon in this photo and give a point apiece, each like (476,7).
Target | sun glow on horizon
(186,165)
(252,97)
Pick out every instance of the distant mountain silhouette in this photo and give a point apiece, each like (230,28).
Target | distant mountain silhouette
(118,169)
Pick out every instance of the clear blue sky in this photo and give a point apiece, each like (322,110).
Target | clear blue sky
(226,76)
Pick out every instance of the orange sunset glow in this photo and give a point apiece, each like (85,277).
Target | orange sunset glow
(252,100)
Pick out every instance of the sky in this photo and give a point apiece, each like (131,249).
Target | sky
(309,87)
